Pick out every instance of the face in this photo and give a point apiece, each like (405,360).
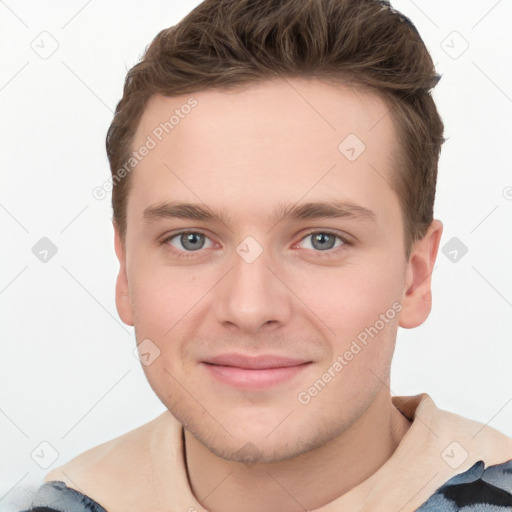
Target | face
(264,268)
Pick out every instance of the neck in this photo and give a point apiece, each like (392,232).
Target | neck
(293,485)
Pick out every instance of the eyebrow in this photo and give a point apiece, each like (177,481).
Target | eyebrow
(292,211)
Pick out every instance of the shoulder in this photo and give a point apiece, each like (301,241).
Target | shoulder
(57,497)
(105,472)
(104,457)
(479,488)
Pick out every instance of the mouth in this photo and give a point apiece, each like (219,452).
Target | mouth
(254,373)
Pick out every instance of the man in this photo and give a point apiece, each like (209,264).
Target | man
(274,168)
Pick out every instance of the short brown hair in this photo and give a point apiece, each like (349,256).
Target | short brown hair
(224,44)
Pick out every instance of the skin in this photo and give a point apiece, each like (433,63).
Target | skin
(242,153)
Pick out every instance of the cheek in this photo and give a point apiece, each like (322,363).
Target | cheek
(161,295)
(349,298)
(168,311)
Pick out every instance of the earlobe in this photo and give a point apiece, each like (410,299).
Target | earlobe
(417,298)
(123,303)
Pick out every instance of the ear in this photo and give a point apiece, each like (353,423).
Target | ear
(417,299)
(124,307)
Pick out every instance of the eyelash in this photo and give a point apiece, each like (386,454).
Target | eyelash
(321,254)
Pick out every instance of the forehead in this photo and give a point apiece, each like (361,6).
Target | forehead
(275,138)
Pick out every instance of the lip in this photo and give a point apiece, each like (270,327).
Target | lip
(254,372)
(260,362)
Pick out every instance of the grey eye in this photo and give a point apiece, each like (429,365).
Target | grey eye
(323,241)
(191,241)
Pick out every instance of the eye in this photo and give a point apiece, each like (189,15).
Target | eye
(188,241)
(323,240)
(185,243)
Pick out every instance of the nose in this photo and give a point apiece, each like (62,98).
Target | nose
(253,296)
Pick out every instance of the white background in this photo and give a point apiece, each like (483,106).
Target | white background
(68,375)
